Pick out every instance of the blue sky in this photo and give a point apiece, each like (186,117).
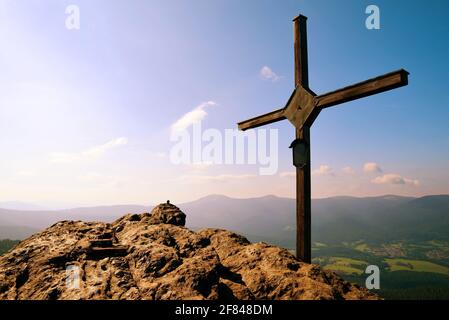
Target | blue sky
(103,98)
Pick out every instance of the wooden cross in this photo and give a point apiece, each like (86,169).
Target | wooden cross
(301,110)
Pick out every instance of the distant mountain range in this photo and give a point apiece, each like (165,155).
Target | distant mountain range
(272,219)
(334,220)
(18,205)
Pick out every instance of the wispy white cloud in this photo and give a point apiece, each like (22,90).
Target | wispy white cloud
(88,154)
(200,166)
(287,174)
(370,167)
(324,170)
(161,155)
(99,180)
(268,74)
(216,178)
(191,117)
(348,170)
(393,178)
(26,173)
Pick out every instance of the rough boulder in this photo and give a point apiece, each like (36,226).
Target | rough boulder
(153,256)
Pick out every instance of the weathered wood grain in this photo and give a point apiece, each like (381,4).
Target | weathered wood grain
(363,89)
(262,120)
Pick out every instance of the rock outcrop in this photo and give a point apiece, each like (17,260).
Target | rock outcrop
(153,256)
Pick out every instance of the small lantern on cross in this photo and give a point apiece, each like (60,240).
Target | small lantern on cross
(300,152)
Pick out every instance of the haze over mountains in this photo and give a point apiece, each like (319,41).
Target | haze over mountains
(272,219)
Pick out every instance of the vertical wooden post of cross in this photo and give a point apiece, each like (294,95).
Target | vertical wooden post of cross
(301,110)
(303,174)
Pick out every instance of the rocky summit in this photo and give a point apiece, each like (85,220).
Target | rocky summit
(153,256)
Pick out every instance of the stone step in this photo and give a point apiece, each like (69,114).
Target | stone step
(104,243)
(105,235)
(105,252)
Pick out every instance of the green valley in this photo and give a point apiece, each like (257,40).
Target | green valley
(407,270)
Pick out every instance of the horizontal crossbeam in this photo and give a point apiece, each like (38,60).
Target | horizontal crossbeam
(363,89)
(366,88)
(262,120)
